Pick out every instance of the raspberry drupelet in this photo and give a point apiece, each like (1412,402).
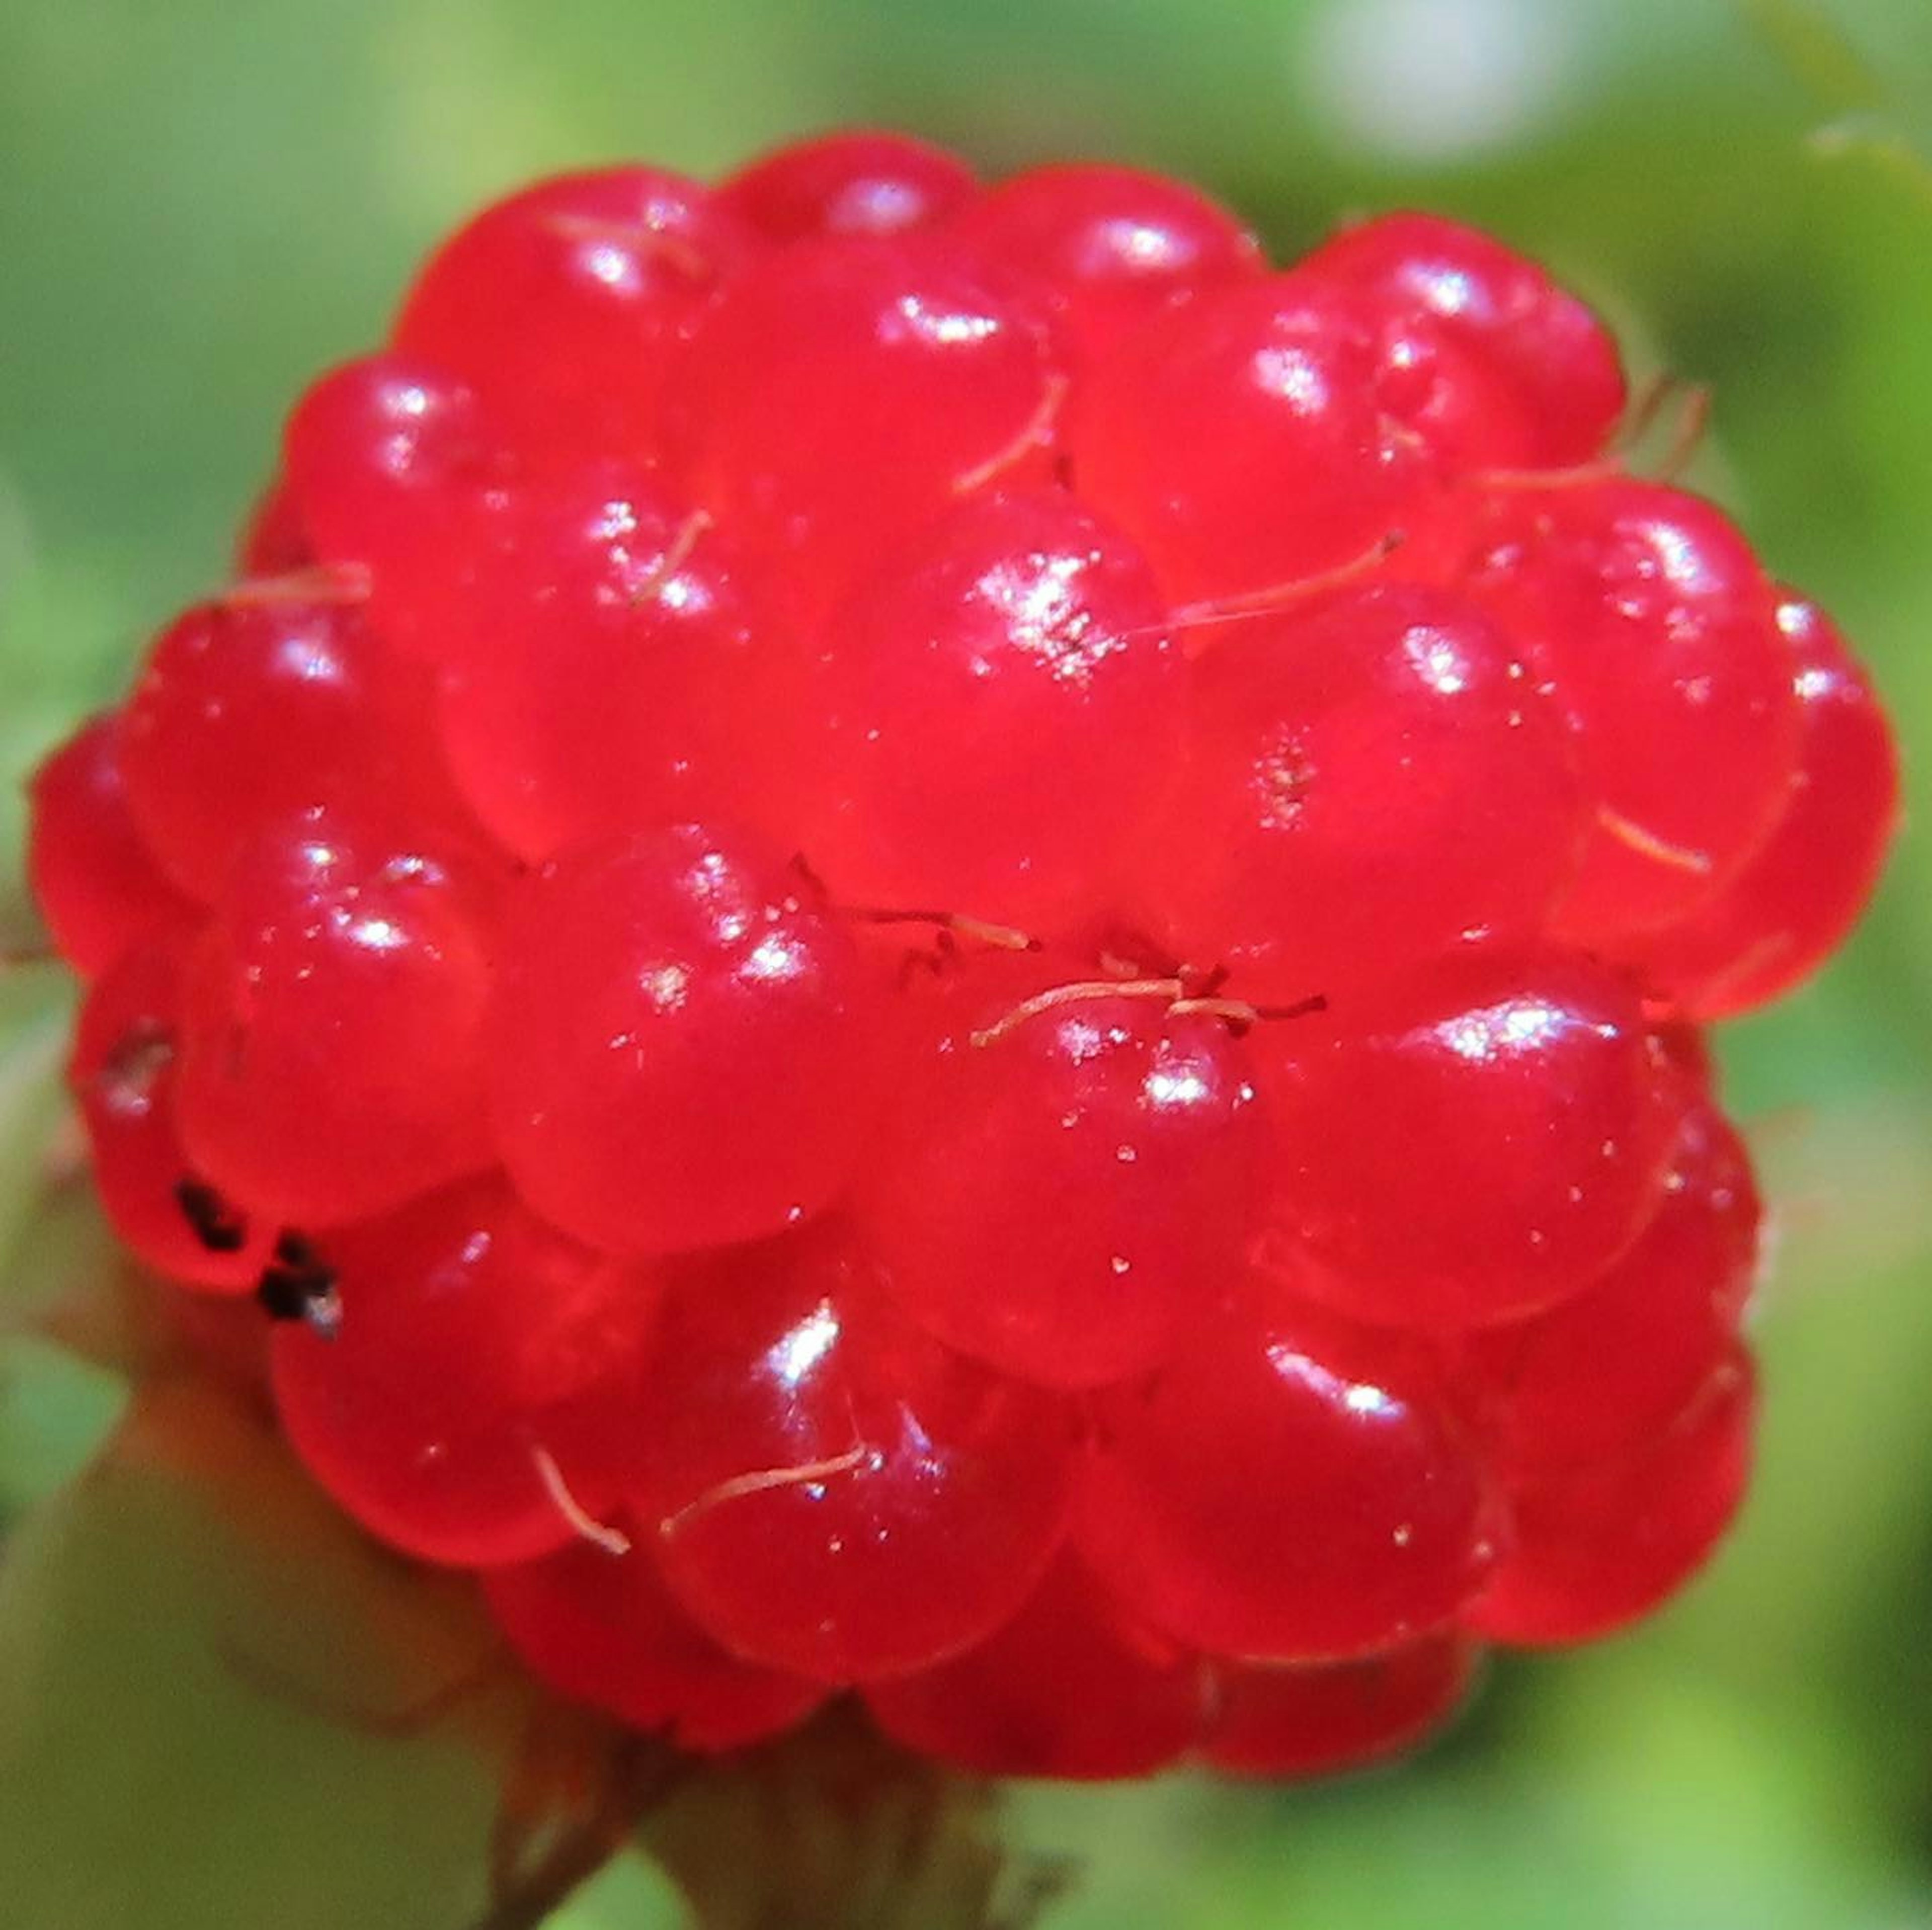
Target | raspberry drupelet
(936,942)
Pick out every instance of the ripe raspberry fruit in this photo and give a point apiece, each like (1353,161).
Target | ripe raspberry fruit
(932,941)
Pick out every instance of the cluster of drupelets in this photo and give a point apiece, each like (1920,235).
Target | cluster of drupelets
(933,938)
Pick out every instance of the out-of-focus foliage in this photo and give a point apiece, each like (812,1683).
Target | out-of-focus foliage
(201,203)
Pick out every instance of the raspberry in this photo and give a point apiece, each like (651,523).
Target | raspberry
(97,883)
(930,941)
(1547,346)
(604,1631)
(1407,1192)
(848,184)
(331,1024)
(124,1074)
(1648,615)
(1068,1687)
(296,703)
(836,1494)
(591,656)
(1287,1487)
(1314,1718)
(1062,1201)
(1110,247)
(565,307)
(457,1453)
(842,391)
(684,1051)
(1011,621)
(1363,783)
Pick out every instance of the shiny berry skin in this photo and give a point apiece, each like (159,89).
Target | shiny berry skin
(1062,1199)
(96,882)
(588,679)
(1504,308)
(1112,246)
(1068,1688)
(1317,1720)
(1287,1487)
(474,1344)
(600,1627)
(332,1024)
(1648,615)
(684,1051)
(1799,896)
(1471,1145)
(122,1075)
(834,1494)
(1615,1364)
(384,460)
(1372,779)
(1595,1548)
(294,703)
(1239,440)
(990,714)
(933,941)
(853,183)
(564,305)
(840,392)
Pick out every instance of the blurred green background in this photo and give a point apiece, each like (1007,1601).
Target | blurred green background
(201,202)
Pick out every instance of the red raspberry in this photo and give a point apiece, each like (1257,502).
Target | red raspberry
(602,1627)
(96,881)
(565,306)
(460,1453)
(1069,1687)
(934,941)
(1313,1718)
(848,184)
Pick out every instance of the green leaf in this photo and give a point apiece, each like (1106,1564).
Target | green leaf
(629,1894)
(34,1015)
(1818,52)
(55,1410)
(186,1635)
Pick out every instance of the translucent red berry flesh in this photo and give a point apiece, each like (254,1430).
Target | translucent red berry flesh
(1596,1547)
(592,661)
(1286,1487)
(124,1075)
(683,1050)
(833,1493)
(1062,1193)
(600,1627)
(295,703)
(1478,1142)
(1372,781)
(934,941)
(332,1024)
(1617,1363)
(96,881)
(847,184)
(1239,441)
(1799,895)
(564,305)
(1477,292)
(989,714)
(1314,1719)
(1109,247)
(1068,1688)
(472,1390)
(840,392)
(1650,618)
